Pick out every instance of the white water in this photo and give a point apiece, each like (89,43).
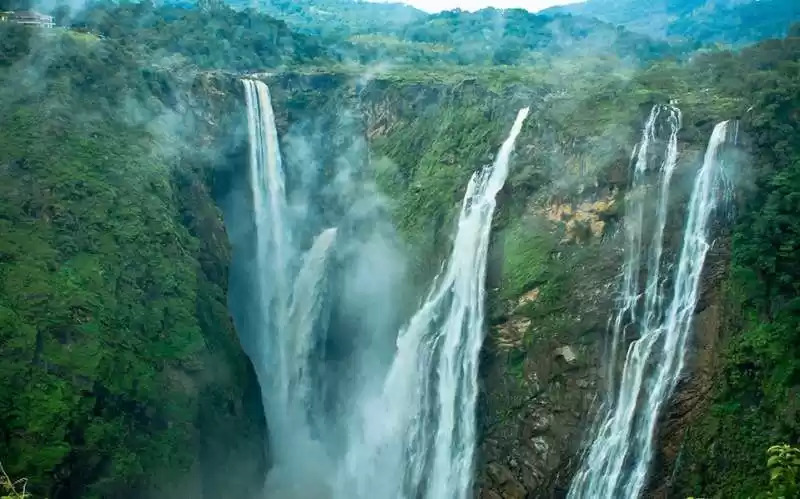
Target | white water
(269,214)
(304,313)
(288,321)
(416,438)
(618,460)
(412,437)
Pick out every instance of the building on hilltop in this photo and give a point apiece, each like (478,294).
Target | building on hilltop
(31,18)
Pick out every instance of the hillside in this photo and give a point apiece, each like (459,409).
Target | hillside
(511,37)
(241,40)
(515,36)
(391,33)
(734,22)
(132,312)
(337,18)
(121,368)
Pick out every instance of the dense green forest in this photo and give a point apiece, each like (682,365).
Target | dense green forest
(756,402)
(112,304)
(337,19)
(696,21)
(122,372)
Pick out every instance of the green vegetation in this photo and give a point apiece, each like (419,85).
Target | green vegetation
(699,22)
(119,361)
(122,368)
(515,36)
(338,19)
(784,471)
(756,402)
(216,37)
(527,256)
(12,489)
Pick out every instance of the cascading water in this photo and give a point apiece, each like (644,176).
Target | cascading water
(635,202)
(271,240)
(305,313)
(411,434)
(416,438)
(618,459)
(289,285)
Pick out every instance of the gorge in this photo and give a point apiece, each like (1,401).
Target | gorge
(468,256)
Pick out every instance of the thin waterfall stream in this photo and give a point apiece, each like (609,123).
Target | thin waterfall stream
(617,462)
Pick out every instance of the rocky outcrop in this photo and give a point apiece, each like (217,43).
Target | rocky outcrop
(542,364)
(542,369)
(587,219)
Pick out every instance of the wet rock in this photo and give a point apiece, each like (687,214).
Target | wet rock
(566,353)
(505,483)
(529,297)
(490,494)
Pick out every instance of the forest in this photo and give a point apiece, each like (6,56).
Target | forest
(122,128)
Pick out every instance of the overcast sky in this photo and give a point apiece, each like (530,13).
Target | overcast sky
(437,5)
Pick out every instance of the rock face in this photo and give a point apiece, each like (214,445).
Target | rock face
(555,257)
(540,388)
(556,261)
(693,395)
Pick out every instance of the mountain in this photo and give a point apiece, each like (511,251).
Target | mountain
(241,39)
(734,22)
(369,32)
(514,36)
(131,205)
(337,18)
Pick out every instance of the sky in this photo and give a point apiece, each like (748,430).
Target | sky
(438,5)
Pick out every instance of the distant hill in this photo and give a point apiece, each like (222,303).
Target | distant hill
(337,18)
(397,33)
(513,36)
(239,40)
(735,22)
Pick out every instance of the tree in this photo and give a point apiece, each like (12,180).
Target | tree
(784,471)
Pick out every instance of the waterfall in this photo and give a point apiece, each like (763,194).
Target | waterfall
(617,461)
(305,313)
(634,221)
(357,430)
(289,288)
(417,436)
(266,181)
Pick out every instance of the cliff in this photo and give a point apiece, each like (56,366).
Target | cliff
(122,371)
(126,375)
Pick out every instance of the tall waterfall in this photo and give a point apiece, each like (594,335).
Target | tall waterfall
(417,437)
(635,201)
(618,459)
(289,287)
(340,426)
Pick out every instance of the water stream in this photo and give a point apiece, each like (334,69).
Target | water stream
(411,434)
(618,459)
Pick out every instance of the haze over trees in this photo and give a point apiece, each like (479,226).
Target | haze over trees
(122,132)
